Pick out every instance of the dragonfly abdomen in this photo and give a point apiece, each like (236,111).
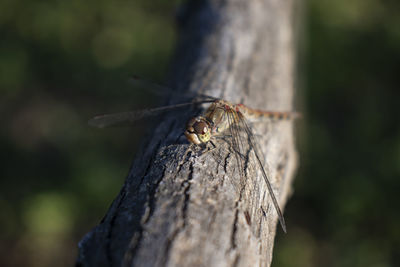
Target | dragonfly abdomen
(272,115)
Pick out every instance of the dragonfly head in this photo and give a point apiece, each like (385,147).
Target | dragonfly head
(198,130)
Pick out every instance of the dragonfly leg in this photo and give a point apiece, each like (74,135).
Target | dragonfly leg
(206,148)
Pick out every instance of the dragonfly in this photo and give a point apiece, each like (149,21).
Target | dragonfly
(220,118)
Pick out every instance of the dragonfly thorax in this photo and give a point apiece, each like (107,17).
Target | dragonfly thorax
(198,130)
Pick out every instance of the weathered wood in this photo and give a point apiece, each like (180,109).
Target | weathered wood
(184,209)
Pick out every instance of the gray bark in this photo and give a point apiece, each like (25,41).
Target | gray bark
(188,209)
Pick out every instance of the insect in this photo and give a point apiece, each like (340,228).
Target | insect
(221,117)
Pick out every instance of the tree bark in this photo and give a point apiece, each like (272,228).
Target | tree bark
(187,209)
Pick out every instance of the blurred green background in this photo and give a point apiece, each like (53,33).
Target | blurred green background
(62,62)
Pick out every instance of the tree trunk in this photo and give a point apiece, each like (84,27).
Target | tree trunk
(187,209)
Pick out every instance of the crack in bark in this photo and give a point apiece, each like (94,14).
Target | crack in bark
(186,184)
(234,227)
(247,217)
(110,229)
(236,260)
(226,161)
(136,238)
(186,194)
(149,164)
(128,257)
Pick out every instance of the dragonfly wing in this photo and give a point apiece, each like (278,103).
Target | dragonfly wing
(163,90)
(107,120)
(239,127)
(237,145)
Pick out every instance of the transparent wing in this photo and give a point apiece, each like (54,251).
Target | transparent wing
(107,120)
(163,90)
(237,144)
(238,125)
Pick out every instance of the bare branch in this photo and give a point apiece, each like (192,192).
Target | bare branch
(181,207)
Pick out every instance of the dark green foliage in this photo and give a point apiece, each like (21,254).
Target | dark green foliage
(344,211)
(63,62)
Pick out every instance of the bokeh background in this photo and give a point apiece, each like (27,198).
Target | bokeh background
(63,61)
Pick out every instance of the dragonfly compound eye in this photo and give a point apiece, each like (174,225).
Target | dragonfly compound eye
(202,131)
(200,127)
(198,131)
